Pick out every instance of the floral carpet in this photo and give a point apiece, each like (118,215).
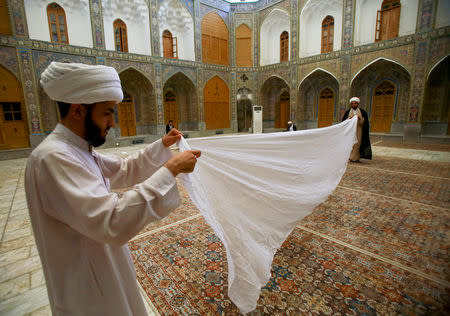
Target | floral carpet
(397,210)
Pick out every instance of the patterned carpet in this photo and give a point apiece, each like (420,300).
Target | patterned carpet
(420,146)
(378,246)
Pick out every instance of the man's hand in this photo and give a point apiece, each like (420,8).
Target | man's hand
(171,137)
(183,162)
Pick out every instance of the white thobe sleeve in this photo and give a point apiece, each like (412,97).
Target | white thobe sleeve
(125,172)
(71,193)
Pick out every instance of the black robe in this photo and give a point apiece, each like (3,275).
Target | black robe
(365,150)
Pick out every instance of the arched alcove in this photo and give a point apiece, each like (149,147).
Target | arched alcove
(275,99)
(435,111)
(216,104)
(214,40)
(374,85)
(318,95)
(180,102)
(311,18)
(143,99)
(277,22)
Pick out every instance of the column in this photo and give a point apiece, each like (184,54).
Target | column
(98,34)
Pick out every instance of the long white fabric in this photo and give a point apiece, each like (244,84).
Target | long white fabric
(254,189)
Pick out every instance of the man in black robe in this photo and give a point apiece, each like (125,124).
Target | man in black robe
(362,149)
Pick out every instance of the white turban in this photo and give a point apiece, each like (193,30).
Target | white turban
(81,84)
(355,99)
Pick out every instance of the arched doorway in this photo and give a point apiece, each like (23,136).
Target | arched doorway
(170,108)
(383,102)
(326,107)
(435,112)
(244,110)
(144,101)
(275,98)
(216,104)
(317,95)
(387,83)
(214,40)
(180,102)
(13,122)
(127,117)
(283,110)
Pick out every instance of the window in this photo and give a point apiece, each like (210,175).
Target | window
(120,36)
(214,40)
(284,46)
(388,20)
(327,34)
(57,23)
(169,45)
(11,111)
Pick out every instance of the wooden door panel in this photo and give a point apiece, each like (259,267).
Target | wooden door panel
(216,104)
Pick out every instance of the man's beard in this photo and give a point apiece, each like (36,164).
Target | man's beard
(93,131)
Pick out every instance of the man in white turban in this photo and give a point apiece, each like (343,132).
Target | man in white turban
(362,148)
(81,227)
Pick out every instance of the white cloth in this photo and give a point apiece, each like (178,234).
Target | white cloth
(81,227)
(75,83)
(254,189)
(354,99)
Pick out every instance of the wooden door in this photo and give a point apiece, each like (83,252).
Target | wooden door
(383,103)
(216,104)
(127,119)
(284,110)
(214,40)
(13,123)
(284,46)
(326,108)
(244,46)
(170,108)
(5,27)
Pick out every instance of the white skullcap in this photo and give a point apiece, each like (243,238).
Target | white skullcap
(81,84)
(355,99)
(290,122)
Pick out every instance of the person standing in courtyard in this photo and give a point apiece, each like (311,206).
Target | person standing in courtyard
(81,228)
(169,126)
(291,127)
(362,148)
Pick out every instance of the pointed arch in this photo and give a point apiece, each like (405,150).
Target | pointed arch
(216,104)
(180,102)
(275,23)
(120,36)
(318,69)
(436,65)
(57,23)
(244,46)
(13,122)
(284,46)
(377,60)
(214,39)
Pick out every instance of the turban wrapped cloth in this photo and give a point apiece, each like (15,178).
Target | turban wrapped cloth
(355,99)
(76,83)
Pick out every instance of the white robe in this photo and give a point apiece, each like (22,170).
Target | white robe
(81,228)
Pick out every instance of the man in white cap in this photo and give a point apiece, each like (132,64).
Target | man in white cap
(291,127)
(362,148)
(81,227)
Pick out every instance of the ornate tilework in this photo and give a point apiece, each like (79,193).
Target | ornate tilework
(201,111)
(348,24)
(17,11)
(224,75)
(97,23)
(439,49)
(159,100)
(145,68)
(8,59)
(281,71)
(401,54)
(426,15)
(169,71)
(155,28)
(42,59)
(419,82)
(293,38)
(29,89)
